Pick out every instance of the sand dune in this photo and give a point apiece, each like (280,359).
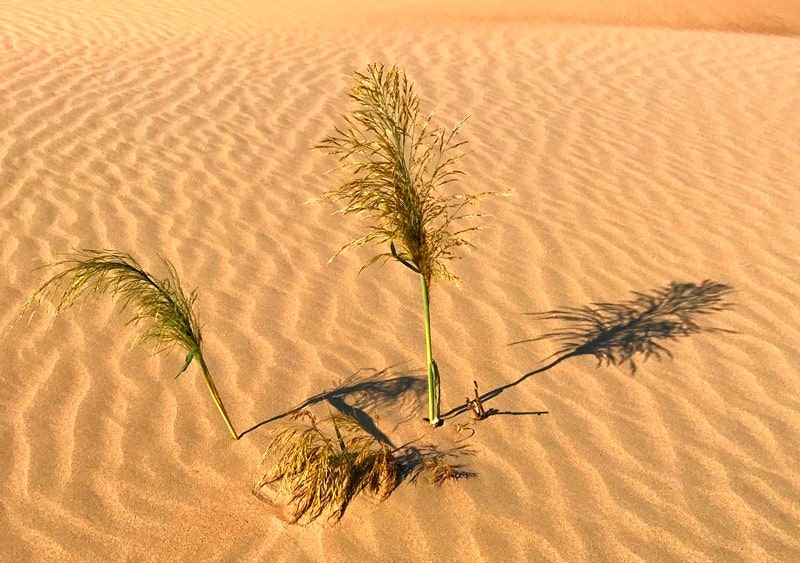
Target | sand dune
(636,156)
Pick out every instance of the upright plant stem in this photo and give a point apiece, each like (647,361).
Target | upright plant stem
(433,372)
(215,396)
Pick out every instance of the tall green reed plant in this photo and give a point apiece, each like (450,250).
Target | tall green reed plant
(398,163)
(162,303)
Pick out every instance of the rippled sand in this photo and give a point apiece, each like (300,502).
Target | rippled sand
(636,156)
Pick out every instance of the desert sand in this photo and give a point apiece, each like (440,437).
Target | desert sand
(639,146)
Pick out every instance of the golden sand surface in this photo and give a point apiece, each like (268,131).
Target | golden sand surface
(642,146)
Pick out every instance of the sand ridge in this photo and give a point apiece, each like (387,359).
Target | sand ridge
(635,156)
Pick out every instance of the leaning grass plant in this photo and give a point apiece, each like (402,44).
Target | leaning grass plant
(160,304)
(399,163)
(324,469)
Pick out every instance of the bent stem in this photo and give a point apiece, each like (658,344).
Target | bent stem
(215,396)
(433,371)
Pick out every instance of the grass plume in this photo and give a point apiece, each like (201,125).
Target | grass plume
(160,304)
(399,163)
(320,470)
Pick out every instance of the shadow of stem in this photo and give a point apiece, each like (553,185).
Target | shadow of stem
(616,333)
(357,396)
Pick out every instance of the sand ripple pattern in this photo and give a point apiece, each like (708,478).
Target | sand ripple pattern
(635,157)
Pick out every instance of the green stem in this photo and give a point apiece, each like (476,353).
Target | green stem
(214,395)
(433,371)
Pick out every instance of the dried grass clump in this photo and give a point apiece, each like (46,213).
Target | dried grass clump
(439,465)
(162,303)
(442,467)
(321,471)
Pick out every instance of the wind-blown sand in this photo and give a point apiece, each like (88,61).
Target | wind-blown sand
(662,150)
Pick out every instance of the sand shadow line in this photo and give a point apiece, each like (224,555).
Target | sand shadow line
(358,397)
(489,395)
(617,333)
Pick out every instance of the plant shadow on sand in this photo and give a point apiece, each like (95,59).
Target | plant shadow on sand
(617,333)
(440,464)
(319,464)
(359,395)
